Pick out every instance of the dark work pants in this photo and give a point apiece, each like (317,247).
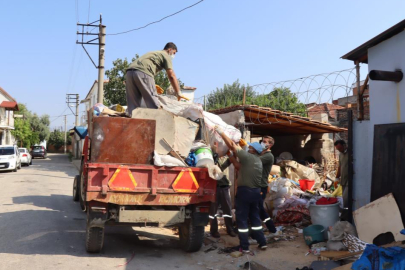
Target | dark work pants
(247,208)
(263,213)
(140,86)
(223,198)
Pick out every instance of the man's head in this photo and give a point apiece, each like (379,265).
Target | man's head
(267,142)
(340,145)
(255,148)
(171,49)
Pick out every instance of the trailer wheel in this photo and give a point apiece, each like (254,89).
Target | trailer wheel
(82,194)
(76,188)
(191,237)
(94,239)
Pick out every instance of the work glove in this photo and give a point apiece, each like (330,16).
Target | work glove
(219,129)
(242,143)
(180,96)
(159,89)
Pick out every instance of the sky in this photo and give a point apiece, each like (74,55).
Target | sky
(219,41)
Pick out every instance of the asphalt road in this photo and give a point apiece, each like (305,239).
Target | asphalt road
(42,228)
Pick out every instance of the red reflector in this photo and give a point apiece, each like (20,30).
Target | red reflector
(25,155)
(186,182)
(122,179)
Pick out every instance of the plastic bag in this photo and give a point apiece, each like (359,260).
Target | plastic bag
(191,111)
(166,160)
(212,120)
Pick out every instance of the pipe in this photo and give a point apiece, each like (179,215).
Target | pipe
(391,76)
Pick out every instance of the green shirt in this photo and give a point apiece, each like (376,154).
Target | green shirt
(344,167)
(268,161)
(223,164)
(152,62)
(250,172)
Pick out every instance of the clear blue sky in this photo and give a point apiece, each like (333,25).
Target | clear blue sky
(219,41)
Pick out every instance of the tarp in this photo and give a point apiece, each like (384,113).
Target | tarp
(379,258)
(81,131)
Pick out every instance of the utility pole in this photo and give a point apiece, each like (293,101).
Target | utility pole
(65,134)
(101,50)
(72,100)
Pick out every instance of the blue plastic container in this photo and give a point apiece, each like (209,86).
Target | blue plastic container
(313,234)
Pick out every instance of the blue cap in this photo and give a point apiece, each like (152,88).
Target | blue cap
(257,146)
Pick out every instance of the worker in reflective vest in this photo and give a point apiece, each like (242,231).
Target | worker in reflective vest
(248,193)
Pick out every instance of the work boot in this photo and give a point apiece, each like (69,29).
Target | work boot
(270,226)
(215,234)
(231,233)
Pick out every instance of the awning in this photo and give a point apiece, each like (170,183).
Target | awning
(9,105)
(263,121)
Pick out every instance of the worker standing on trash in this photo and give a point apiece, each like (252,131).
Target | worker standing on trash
(342,174)
(248,193)
(223,198)
(267,159)
(140,82)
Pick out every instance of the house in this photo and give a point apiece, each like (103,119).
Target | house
(7,107)
(379,142)
(89,101)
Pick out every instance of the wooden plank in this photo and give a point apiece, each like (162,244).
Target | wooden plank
(333,254)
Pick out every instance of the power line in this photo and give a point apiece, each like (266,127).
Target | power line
(120,33)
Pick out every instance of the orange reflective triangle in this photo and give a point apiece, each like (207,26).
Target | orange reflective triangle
(185,182)
(122,179)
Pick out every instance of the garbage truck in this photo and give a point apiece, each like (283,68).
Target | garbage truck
(118,184)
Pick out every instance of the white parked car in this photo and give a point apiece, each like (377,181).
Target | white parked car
(9,158)
(25,156)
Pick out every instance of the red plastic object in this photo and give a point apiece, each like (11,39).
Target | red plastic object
(306,184)
(326,201)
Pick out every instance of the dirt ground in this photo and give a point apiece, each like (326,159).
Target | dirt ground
(280,255)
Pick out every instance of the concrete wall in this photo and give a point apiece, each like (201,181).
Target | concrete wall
(384,100)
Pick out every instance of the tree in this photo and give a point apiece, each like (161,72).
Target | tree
(57,139)
(281,98)
(229,95)
(31,129)
(114,90)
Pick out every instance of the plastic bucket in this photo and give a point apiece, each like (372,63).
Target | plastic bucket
(313,234)
(203,157)
(325,215)
(306,184)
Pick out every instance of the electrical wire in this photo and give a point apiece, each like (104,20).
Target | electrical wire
(135,29)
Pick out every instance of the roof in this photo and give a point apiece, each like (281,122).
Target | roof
(328,108)
(360,53)
(91,88)
(264,121)
(9,105)
(7,95)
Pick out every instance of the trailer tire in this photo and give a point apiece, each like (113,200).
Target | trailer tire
(191,237)
(82,194)
(94,239)
(76,188)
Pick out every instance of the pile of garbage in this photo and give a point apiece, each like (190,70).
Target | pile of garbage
(185,134)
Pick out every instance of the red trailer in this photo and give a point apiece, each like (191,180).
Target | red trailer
(117,184)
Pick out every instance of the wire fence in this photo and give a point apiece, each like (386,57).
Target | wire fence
(292,96)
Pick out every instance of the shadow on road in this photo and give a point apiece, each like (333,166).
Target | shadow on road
(54,163)
(59,227)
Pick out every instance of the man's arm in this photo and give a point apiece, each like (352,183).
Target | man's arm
(235,162)
(338,171)
(175,83)
(231,145)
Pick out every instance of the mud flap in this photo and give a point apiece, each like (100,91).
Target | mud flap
(200,219)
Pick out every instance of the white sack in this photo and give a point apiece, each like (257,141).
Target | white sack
(166,160)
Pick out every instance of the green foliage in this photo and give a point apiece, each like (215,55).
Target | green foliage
(229,95)
(114,90)
(57,139)
(31,129)
(281,98)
